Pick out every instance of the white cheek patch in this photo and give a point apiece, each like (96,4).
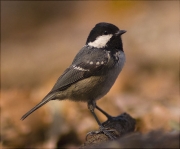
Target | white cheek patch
(101,41)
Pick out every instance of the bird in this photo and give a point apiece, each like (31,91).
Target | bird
(93,71)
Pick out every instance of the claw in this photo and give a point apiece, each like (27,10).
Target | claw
(92,133)
(107,132)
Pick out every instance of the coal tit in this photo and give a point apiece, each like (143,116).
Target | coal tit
(93,70)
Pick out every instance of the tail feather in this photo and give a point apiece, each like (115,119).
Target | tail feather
(43,102)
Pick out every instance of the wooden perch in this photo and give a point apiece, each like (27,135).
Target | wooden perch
(119,125)
(124,126)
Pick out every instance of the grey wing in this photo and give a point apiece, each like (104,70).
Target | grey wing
(81,68)
(69,77)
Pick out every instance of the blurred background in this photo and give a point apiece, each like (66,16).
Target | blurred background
(39,40)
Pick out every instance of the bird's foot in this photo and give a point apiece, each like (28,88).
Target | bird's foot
(108,132)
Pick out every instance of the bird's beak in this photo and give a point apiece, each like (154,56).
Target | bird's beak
(120,32)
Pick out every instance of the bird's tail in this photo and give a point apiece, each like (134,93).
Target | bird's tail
(46,99)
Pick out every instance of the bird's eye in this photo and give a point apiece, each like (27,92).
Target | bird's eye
(105,32)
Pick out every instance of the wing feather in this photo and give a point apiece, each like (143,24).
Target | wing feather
(84,65)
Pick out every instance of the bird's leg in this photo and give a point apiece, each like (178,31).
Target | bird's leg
(91,107)
(102,111)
